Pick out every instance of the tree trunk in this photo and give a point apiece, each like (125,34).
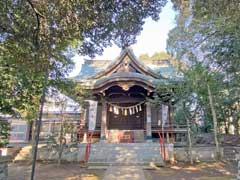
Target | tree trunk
(33,135)
(188,135)
(236,125)
(60,148)
(189,141)
(226,126)
(236,119)
(39,123)
(214,122)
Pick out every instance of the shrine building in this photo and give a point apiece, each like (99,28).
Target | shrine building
(120,108)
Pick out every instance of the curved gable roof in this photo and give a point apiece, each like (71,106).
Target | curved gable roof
(92,70)
(116,63)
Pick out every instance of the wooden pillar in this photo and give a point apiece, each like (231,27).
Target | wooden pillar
(149,122)
(169,113)
(170,116)
(104,121)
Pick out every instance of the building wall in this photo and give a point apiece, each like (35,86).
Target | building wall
(20,130)
(51,123)
(155,112)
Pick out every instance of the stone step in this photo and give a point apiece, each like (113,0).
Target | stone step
(106,164)
(143,154)
(24,154)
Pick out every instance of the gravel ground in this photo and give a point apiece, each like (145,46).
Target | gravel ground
(54,172)
(200,171)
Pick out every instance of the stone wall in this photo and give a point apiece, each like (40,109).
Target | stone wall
(77,154)
(199,153)
(238,175)
(203,153)
(4,160)
(71,154)
(231,153)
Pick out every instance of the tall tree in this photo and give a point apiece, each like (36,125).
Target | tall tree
(54,26)
(35,34)
(209,32)
(198,95)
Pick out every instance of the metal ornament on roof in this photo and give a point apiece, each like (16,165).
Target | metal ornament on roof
(125,110)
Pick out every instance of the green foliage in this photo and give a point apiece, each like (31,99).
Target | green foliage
(73,90)
(4,133)
(51,141)
(193,93)
(208,32)
(41,36)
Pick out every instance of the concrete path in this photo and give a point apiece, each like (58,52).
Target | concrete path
(124,173)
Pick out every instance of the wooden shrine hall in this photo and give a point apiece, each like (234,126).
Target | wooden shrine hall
(120,108)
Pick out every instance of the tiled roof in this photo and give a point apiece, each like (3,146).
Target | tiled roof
(142,77)
(92,70)
(92,67)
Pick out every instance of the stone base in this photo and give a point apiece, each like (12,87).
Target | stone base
(4,160)
(3,171)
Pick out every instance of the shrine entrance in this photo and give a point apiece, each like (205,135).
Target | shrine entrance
(126,108)
(133,121)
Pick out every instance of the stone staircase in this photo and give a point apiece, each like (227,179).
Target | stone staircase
(24,154)
(121,154)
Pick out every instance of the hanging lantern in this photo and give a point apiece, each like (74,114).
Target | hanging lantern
(140,108)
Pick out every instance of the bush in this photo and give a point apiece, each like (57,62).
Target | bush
(4,133)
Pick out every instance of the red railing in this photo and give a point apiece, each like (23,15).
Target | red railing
(88,145)
(162,145)
(162,141)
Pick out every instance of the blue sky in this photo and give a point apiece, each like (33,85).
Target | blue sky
(152,39)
